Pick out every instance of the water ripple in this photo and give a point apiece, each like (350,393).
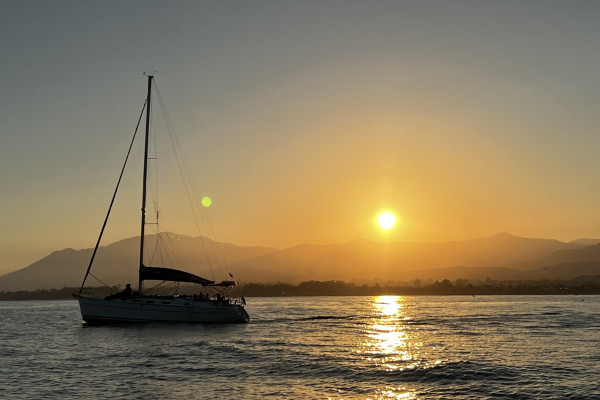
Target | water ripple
(340,347)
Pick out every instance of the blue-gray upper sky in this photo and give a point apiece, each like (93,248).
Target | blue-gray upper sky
(303,119)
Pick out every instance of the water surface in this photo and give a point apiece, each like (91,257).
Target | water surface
(528,347)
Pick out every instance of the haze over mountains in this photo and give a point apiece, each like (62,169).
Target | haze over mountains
(499,257)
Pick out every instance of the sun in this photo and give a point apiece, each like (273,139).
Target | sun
(386,220)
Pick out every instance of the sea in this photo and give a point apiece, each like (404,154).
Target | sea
(383,347)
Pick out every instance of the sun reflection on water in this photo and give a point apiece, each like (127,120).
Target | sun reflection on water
(388,342)
(392,342)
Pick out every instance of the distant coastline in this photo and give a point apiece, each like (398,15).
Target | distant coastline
(591,285)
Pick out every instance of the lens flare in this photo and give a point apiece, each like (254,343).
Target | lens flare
(206,201)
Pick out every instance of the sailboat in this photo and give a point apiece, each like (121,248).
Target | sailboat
(133,307)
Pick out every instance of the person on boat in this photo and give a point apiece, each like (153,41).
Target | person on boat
(128,292)
(125,294)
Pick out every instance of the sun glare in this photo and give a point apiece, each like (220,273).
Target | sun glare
(386,220)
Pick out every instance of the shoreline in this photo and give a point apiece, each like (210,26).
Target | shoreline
(339,288)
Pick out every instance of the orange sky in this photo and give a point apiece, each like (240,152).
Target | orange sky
(303,120)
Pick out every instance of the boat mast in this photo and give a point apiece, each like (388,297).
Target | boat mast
(146,140)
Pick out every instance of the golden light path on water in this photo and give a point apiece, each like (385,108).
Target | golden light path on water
(393,344)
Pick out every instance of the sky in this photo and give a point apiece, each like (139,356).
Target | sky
(303,120)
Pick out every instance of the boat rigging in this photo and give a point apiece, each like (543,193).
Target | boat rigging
(140,306)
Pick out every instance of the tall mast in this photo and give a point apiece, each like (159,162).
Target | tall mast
(146,140)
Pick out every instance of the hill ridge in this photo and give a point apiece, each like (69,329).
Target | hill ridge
(499,256)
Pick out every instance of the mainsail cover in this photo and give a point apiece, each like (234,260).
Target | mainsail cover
(224,284)
(170,274)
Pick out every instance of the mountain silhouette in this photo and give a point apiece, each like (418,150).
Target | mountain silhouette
(499,257)
(117,263)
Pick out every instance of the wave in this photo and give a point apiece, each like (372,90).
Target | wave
(304,319)
(453,372)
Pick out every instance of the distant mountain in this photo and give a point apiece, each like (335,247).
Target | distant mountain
(585,242)
(357,260)
(363,260)
(117,263)
(59,269)
(498,257)
(585,254)
(506,250)
(566,271)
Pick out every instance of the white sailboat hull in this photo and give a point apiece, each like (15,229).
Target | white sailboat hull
(160,309)
(122,307)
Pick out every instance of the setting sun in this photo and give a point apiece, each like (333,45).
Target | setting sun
(386,220)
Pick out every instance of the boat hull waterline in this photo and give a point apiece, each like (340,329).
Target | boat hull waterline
(153,309)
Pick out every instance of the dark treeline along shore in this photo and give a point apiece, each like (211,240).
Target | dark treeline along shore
(581,285)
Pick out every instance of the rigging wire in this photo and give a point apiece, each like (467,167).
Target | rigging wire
(193,198)
(192,192)
(99,280)
(112,201)
(164,252)
(184,173)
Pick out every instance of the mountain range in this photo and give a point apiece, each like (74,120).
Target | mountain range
(499,257)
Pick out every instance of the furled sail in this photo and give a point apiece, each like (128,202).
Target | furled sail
(170,274)
(224,284)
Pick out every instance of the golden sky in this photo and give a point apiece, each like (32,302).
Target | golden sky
(304,120)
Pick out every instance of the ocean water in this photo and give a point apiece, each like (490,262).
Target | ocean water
(388,347)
